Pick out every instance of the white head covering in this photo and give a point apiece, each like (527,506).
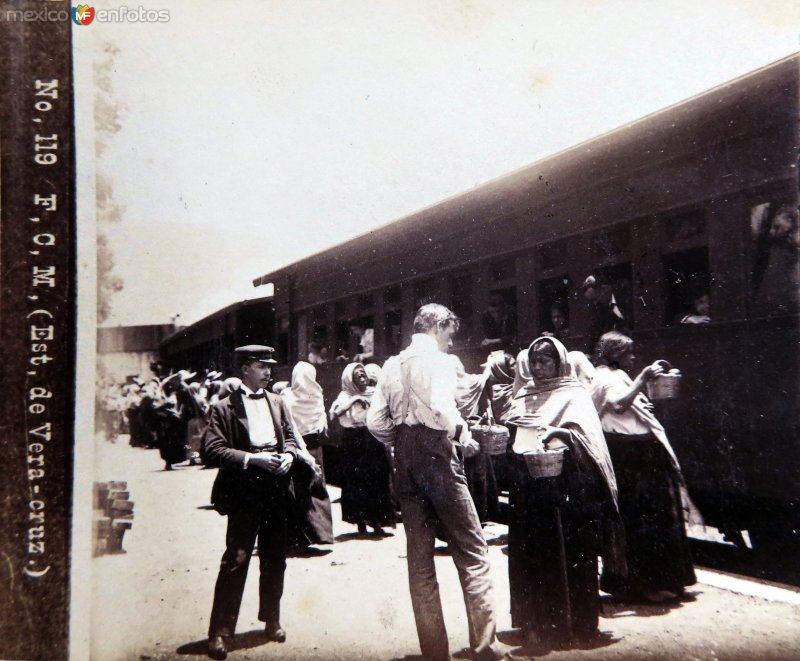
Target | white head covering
(582,368)
(304,400)
(350,393)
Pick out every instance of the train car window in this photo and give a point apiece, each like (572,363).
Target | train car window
(319,334)
(424,292)
(499,320)
(393,295)
(554,306)
(342,349)
(283,339)
(607,294)
(461,300)
(502,269)
(362,338)
(775,274)
(687,283)
(393,332)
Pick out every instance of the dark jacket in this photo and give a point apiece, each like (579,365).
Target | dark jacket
(227,441)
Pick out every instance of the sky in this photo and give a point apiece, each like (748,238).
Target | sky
(253,134)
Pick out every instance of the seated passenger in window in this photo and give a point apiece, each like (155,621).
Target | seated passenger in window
(315,351)
(558,320)
(499,324)
(701,308)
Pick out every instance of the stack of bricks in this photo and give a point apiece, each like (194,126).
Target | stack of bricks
(113,515)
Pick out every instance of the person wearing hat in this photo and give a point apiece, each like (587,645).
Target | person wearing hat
(249,436)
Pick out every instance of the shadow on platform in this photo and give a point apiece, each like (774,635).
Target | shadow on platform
(241,641)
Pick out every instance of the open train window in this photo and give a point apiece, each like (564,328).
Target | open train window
(461,299)
(423,292)
(342,348)
(283,339)
(319,334)
(499,320)
(554,306)
(608,297)
(393,332)
(687,284)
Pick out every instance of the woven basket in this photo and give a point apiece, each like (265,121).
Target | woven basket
(493,439)
(549,463)
(666,386)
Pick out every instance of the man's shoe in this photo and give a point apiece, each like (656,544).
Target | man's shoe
(274,631)
(216,647)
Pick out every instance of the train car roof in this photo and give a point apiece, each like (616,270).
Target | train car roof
(186,333)
(720,113)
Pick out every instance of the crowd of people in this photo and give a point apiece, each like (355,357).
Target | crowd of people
(407,452)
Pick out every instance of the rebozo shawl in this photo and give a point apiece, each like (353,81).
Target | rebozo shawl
(502,389)
(522,375)
(564,403)
(304,400)
(469,388)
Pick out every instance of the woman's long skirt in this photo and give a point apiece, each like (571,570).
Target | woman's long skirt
(366,492)
(311,521)
(553,545)
(658,552)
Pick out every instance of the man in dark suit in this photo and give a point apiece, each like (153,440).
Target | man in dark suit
(250,438)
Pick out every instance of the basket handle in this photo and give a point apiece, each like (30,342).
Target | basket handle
(665,364)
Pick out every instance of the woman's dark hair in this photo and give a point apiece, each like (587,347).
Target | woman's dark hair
(546,348)
(611,347)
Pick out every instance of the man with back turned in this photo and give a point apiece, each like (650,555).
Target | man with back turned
(414,408)
(249,436)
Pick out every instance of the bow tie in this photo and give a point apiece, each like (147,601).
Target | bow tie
(257,395)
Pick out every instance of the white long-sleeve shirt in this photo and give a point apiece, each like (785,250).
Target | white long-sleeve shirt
(432,380)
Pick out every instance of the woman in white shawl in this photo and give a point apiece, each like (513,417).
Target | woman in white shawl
(559,525)
(366,492)
(652,496)
(313,521)
(305,403)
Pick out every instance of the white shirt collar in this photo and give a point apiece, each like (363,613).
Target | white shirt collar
(424,342)
(247,390)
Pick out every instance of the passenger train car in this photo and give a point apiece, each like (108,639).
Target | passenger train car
(209,343)
(700,198)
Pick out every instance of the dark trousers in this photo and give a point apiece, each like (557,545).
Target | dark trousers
(262,515)
(432,489)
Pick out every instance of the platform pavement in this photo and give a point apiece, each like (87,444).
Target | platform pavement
(153,601)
